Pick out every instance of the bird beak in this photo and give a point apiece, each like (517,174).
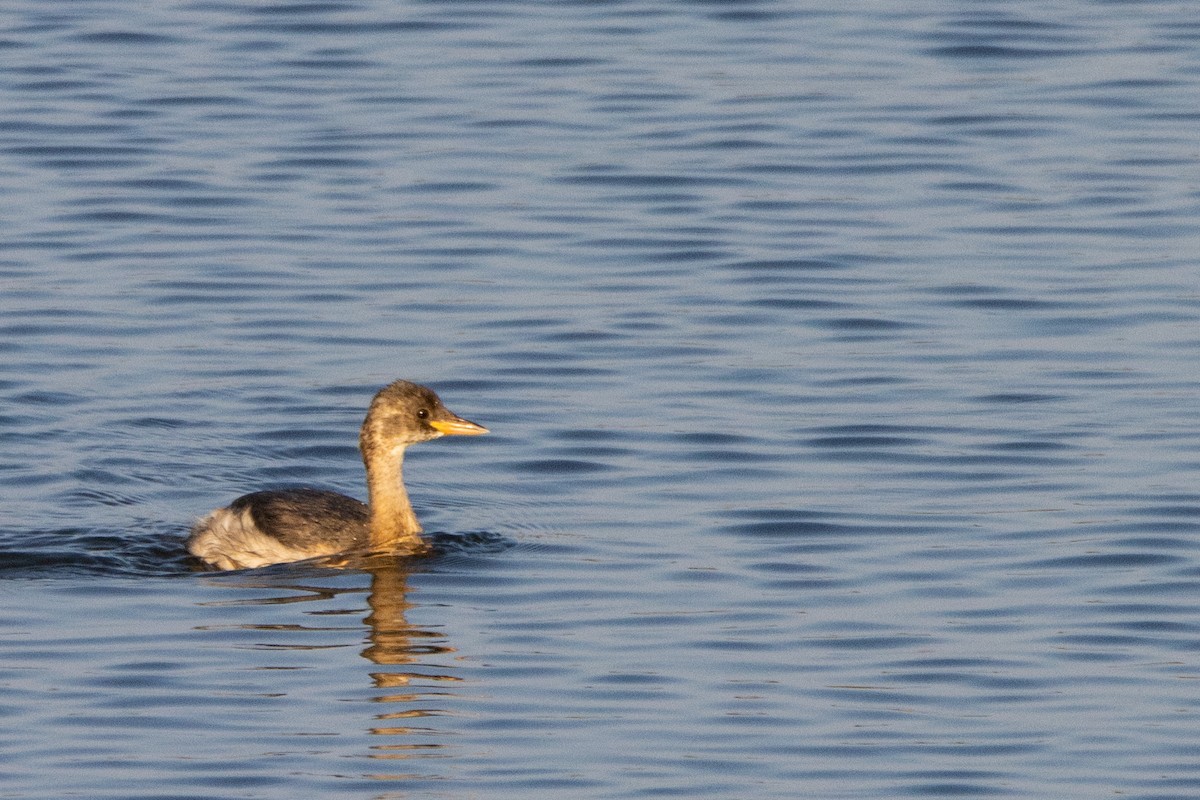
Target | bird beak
(457,426)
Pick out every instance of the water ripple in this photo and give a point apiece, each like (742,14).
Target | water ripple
(840,369)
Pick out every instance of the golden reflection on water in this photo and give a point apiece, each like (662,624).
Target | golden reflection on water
(409,679)
(393,642)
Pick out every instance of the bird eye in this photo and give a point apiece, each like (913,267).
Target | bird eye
(422,414)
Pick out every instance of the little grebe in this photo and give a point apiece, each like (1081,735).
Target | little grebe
(275,526)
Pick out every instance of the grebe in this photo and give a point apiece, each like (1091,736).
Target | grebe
(272,527)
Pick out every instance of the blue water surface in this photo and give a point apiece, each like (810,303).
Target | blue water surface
(841,365)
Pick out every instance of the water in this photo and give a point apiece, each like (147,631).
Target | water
(840,363)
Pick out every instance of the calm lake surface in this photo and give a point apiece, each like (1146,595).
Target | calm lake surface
(842,367)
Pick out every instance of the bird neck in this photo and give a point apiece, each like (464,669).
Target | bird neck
(394,526)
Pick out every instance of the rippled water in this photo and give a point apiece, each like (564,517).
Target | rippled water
(841,365)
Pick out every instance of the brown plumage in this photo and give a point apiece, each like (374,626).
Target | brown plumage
(293,524)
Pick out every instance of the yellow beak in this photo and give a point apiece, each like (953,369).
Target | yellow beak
(457,427)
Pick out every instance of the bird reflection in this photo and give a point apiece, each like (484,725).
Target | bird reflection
(412,674)
(393,640)
(408,657)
